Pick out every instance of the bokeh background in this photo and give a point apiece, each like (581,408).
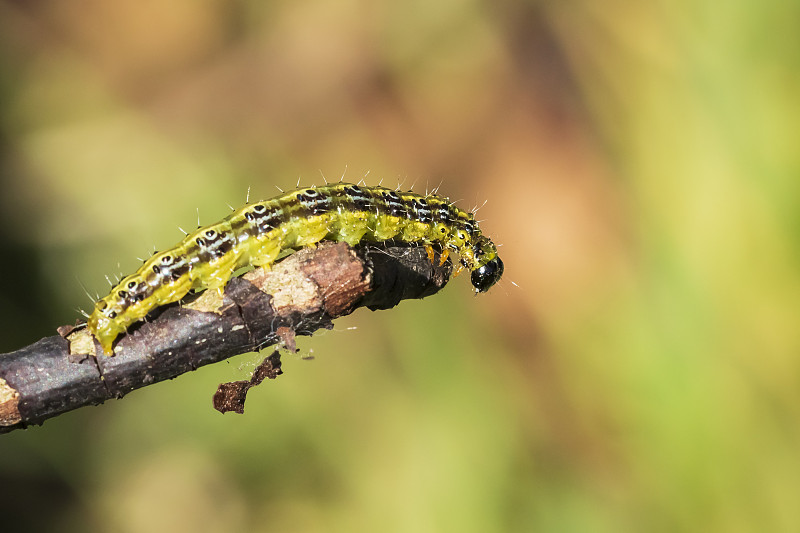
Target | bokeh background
(639,163)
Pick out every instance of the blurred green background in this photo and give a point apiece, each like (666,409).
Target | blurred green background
(639,163)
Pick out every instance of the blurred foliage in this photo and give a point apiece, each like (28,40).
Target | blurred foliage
(639,368)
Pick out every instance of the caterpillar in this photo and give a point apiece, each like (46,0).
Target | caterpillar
(259,232)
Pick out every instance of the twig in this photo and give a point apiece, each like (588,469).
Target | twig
(304,292)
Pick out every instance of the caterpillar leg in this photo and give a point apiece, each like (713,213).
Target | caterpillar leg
(432,255)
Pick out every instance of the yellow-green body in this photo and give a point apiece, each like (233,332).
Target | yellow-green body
(259,232)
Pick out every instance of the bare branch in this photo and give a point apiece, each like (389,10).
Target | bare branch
(304,293)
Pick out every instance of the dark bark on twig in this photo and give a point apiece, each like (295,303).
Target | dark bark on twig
(304,293)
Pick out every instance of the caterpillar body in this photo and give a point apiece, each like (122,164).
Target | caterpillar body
(257,233)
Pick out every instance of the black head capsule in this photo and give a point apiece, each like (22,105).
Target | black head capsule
(484,277)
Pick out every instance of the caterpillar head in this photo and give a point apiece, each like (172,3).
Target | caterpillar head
(487,275)
(488,268)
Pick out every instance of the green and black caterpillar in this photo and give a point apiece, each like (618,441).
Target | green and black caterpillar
(259,232)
